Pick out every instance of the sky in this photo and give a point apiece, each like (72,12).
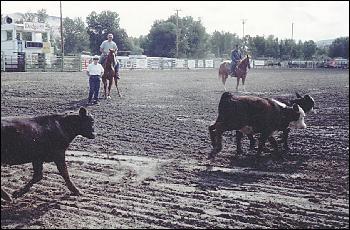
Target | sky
(312,20)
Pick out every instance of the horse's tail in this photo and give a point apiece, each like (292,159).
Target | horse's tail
(221,69)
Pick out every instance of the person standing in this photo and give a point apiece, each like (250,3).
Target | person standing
(95,72)
(104,49)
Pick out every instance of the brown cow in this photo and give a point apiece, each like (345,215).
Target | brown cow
(42,139)
(249,115)
(307,103)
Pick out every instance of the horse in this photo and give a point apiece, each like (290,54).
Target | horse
(240,71)
(109,74)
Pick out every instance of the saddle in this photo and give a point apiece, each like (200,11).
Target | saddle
(233,74)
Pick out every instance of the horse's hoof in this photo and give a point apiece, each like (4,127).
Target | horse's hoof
(109,97)
(76,193)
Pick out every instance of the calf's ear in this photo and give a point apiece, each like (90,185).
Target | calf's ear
(298,95)
(82,112)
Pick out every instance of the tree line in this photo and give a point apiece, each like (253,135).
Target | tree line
(193,40)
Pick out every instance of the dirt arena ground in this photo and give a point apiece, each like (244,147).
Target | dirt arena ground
(146,168)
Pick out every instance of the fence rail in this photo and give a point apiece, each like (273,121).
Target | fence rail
(42,63)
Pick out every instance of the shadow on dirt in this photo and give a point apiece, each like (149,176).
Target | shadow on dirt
(23,213)
(249,169)
(270,162)
(74,105)
(216,179)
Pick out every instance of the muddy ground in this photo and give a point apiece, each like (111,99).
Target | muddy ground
(146,168)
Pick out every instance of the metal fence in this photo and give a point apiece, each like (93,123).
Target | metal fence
(21,62)
(2,61)
(51,63)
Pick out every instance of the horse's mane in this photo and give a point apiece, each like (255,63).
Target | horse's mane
(243,60)
(109,59)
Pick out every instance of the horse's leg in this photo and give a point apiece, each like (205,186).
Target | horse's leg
(237,83)
(243,81)
(116,85)
(104,80)
(110,82)
(224,78)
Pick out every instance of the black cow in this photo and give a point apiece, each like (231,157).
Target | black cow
(307,103)
(42,139)
(250,115)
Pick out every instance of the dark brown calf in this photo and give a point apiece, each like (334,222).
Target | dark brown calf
(250,115)
(42,139)
(307,103)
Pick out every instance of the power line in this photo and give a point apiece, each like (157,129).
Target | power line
(177,32)
(243,22)
(62,44)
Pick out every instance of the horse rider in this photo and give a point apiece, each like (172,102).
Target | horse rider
(104,49)
(236,56)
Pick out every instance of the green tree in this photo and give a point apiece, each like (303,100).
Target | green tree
(309,49)
(215,43)
(222,43)
(100,25)
(42,15)
(321,53)
(297,50)
(162,38)
(259,43)
(123,42)
(135,46)
(339,48)
(271,47)
(193,38)
(28,17)
(144,43)
(286,48)
(75,36)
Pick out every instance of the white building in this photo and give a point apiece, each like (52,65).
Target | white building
(30,38)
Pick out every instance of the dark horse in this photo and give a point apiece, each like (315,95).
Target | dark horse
(240,71)
(109,74)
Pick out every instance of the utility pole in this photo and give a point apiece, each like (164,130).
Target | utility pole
(243,22)
(292,30)
(62,44)
(177,32)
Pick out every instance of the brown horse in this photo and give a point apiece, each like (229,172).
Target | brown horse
(109,74)
(240,71)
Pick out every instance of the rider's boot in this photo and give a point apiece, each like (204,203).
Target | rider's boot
(117,75)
